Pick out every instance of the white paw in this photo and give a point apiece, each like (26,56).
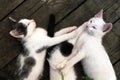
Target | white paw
(72,29)
(62,65)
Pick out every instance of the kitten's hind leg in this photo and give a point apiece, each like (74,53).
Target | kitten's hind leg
(65,30)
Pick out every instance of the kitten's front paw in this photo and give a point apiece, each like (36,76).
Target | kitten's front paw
(62,65)
(70,29)
(73,34)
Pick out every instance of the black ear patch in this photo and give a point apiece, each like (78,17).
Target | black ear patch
(66,48)
(21,28)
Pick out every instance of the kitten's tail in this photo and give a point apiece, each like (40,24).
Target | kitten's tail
(50,29)
(51,25)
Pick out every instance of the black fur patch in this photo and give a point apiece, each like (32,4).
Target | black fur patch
(50,30)
(28,65)
(25,52)
(66,48)
(49,51)
(51,25)
(21,28)
(41,49)
(29,61)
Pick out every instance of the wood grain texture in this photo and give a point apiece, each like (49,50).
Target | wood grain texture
(85,12)
(117,69)
(68,13)
(59,9)
(7,6)
(116,28)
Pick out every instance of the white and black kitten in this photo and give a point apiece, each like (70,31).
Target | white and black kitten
(35,42)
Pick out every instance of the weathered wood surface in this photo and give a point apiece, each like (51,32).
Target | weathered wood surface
(8,7)
(68,13)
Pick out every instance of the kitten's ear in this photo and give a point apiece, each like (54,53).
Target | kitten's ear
(15,34)
(107,27)
(99,14)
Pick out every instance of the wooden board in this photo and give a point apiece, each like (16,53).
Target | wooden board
(60,9)
(7,49)
(112,13)
(117,69)
(85,11)
(116,28)
(6,7)
(26,9)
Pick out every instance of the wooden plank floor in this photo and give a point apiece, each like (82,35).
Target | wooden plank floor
(68,13)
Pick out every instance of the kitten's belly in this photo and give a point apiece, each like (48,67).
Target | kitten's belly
(98,68)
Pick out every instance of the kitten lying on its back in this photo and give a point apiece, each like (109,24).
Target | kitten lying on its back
(35,42)
(90,51)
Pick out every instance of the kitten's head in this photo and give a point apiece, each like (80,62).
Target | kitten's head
(97,26)
(23,28)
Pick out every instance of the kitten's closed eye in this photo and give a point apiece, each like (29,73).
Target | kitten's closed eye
(90,21)
(94,27)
